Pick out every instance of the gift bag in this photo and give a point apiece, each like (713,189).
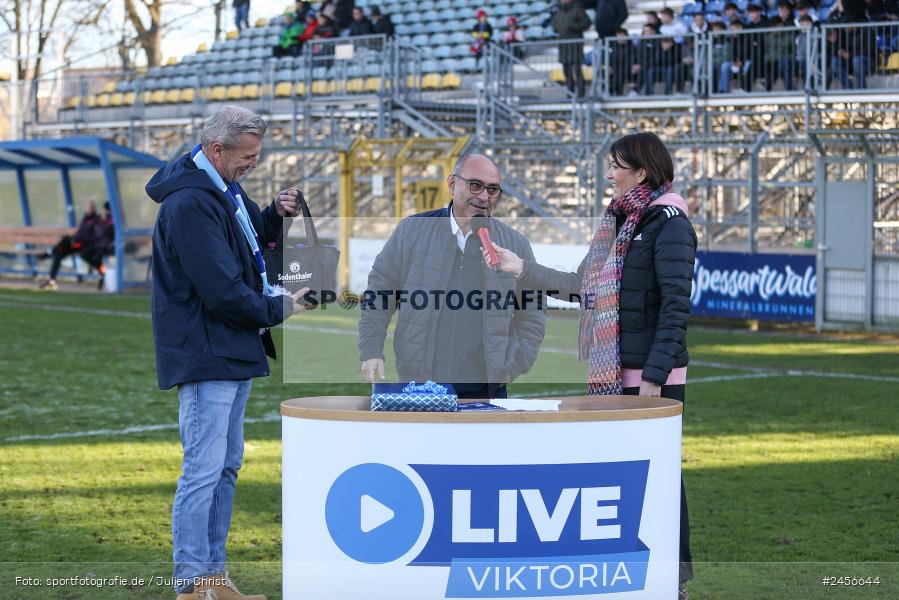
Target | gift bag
(311,264)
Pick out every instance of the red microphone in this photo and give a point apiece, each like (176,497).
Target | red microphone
(481,226)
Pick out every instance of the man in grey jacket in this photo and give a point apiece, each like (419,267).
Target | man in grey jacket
(458,322)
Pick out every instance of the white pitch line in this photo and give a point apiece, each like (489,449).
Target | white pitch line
(20,303)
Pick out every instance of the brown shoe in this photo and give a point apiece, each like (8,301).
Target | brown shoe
(223,588)
(197,595)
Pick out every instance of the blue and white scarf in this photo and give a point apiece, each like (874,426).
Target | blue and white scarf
(240,212)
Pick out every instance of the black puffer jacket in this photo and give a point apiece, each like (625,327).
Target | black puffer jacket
(655,292)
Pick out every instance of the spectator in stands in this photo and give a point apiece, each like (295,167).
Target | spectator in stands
(289,43)
(360,25)
(301,9)
(802,41)
(804,9)
(622,59)
(83,237)
(103,245)
(741,55)
(722,57)
(481,34)
(856,51)
(322,53)
(381,23)
(241,14)
(671,26)
(652,18)
(780,48)
(756,43)
(570,24)
(699,26)
(328,8)
(731,13)
(343,13)
(647,51)
(610,16)
(514,34)
(311,27)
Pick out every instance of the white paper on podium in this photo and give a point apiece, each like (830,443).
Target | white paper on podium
(530,404)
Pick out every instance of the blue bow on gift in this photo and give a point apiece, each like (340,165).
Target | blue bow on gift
(428,387)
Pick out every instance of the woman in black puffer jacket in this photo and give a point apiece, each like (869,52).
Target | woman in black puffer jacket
(633,286)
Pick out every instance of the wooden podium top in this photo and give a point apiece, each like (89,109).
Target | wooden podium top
(571,409)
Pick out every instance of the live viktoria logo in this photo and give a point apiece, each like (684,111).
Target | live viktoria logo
(503,530)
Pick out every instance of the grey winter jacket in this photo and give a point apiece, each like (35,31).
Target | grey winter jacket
(418,256)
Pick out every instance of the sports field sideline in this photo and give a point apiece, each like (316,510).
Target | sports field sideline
(791,453)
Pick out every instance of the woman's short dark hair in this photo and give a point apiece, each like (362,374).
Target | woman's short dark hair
(644,151)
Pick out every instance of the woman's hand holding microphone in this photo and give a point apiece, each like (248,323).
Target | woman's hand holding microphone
(508,260)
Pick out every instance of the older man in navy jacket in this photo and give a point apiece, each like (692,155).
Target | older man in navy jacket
(212,308)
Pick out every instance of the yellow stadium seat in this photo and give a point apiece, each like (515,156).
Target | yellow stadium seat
(188,95)
(893,62)
(451,81)
(145,96)
(90,101)
(172,96)
(261,22)
(411,81)
(301,88)
(203,47)
(233,92)
(373,84)
(319,88)
(158,96)
(217,93)
(108,87)
(128,98)
(431,81)
(74,102)
(250,91)
(557,76)
(355,86)
(232,35)
(283,89)
(116,99)
(102,100)
(588,73)
(171,61)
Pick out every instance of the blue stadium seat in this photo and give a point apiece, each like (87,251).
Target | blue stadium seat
(714,6)
(412,17)
(417,28)
(501,12)
(372,70)
(442,51)
(691,9)
(421,40)
(449,65)
(398,18)
(468,64)
(244,42)
(534,32)
(430,15)
(426,5)
(430,66)
(461,51)
(403,30)
(442,4)
(459,37)
(260,52)
(284,75)
(320,73)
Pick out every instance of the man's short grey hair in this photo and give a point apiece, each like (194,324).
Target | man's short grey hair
(460,163)
(227,124)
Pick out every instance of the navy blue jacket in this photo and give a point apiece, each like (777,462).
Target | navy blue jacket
(207,300)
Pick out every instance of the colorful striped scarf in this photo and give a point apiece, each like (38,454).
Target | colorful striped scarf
(600,343)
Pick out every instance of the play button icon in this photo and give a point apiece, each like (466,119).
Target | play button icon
(374,513)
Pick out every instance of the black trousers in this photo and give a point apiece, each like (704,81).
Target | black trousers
(65,247)
(574,78)
(677,392)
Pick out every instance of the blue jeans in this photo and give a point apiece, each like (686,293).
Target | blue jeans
(725,74)
(211,423)
(859,65)
(242,15)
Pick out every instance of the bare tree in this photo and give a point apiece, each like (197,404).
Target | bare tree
(149,32)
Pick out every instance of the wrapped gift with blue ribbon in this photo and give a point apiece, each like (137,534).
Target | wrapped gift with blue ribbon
(413,397)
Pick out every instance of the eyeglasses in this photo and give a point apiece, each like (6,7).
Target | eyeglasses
(476,187)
